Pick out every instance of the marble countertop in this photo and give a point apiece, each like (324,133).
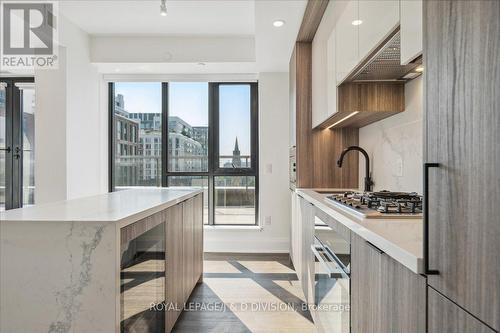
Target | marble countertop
(401,239)
(130,204)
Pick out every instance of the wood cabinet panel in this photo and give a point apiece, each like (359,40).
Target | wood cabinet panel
(174,273)
(461,119)
(307,259)
(385,295)
(188,247)
(184,254)
(447,317)
(366,287)
(360,104)
(302,56)
(136,229)
(403,298)
(198,238)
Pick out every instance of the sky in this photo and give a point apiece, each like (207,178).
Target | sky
(189,101)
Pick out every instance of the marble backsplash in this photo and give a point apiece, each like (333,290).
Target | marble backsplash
(395,146)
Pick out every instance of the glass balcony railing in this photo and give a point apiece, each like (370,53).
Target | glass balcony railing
(234,196)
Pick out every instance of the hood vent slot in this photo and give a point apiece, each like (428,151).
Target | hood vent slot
(384,63)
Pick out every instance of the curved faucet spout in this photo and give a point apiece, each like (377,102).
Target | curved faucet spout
(368,180)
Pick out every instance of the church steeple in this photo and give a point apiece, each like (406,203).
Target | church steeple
(236,155)
(236,150)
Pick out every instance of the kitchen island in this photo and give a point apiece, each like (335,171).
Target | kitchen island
(120,261)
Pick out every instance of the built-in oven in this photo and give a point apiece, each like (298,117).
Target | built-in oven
(332,253)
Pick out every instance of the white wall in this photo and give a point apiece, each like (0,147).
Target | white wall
(84,142)
(159,49)
(69,146)
(274,197)
(50,133)
(395,145)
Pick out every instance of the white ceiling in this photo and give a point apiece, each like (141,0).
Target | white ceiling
(187,17)
(273,46)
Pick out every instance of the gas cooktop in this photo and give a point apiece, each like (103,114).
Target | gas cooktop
(383,204)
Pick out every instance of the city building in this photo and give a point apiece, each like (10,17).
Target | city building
(187,146)
(127,145)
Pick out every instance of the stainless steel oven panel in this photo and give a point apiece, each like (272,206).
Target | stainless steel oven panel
(331,294)
(334,244)
(328,265)
(328,256)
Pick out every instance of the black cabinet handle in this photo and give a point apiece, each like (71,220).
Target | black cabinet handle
(427,271)
(374,247)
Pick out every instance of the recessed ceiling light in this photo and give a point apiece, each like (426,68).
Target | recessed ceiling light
(163,8)
(279,23)
(356,22)
(419,69)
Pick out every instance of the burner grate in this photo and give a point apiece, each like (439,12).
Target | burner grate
(384,202)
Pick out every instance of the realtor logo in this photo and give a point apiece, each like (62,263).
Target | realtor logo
(28,32)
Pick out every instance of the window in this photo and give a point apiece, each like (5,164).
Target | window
(205,134)
(134,105)
(17,147)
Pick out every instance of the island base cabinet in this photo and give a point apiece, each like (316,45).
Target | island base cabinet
(385,295)
(184,255)
(174,263)
(447,317)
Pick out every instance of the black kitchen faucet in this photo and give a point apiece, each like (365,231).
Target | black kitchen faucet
(368,180)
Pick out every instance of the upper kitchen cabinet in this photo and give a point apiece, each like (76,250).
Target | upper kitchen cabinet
(377,19)
(324,85)
(411,30)
(347,40)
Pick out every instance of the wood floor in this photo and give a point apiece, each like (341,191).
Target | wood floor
(246,293)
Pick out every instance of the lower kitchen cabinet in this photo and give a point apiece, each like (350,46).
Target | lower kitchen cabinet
(306,272)
(385,295)
(445,316)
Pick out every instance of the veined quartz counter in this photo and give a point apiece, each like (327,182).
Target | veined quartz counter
(123,206)
(401,239)
(60,262)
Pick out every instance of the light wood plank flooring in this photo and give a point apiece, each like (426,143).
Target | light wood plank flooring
(246,293)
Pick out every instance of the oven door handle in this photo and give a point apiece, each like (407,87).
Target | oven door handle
(337,260)
(333,256)
(323,263)
(331,273)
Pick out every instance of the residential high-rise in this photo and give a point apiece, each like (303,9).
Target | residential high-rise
(187,146)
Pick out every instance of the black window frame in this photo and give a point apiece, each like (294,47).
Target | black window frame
(14,141)
(214,170)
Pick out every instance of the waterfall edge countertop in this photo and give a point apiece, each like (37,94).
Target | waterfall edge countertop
(401,239)
(61,262)
(124,206)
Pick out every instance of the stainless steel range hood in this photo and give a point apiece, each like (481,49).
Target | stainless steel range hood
(383,64)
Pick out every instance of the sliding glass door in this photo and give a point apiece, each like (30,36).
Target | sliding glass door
(17,142)
(204,133)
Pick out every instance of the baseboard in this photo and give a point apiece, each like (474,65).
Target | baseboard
(233,244)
